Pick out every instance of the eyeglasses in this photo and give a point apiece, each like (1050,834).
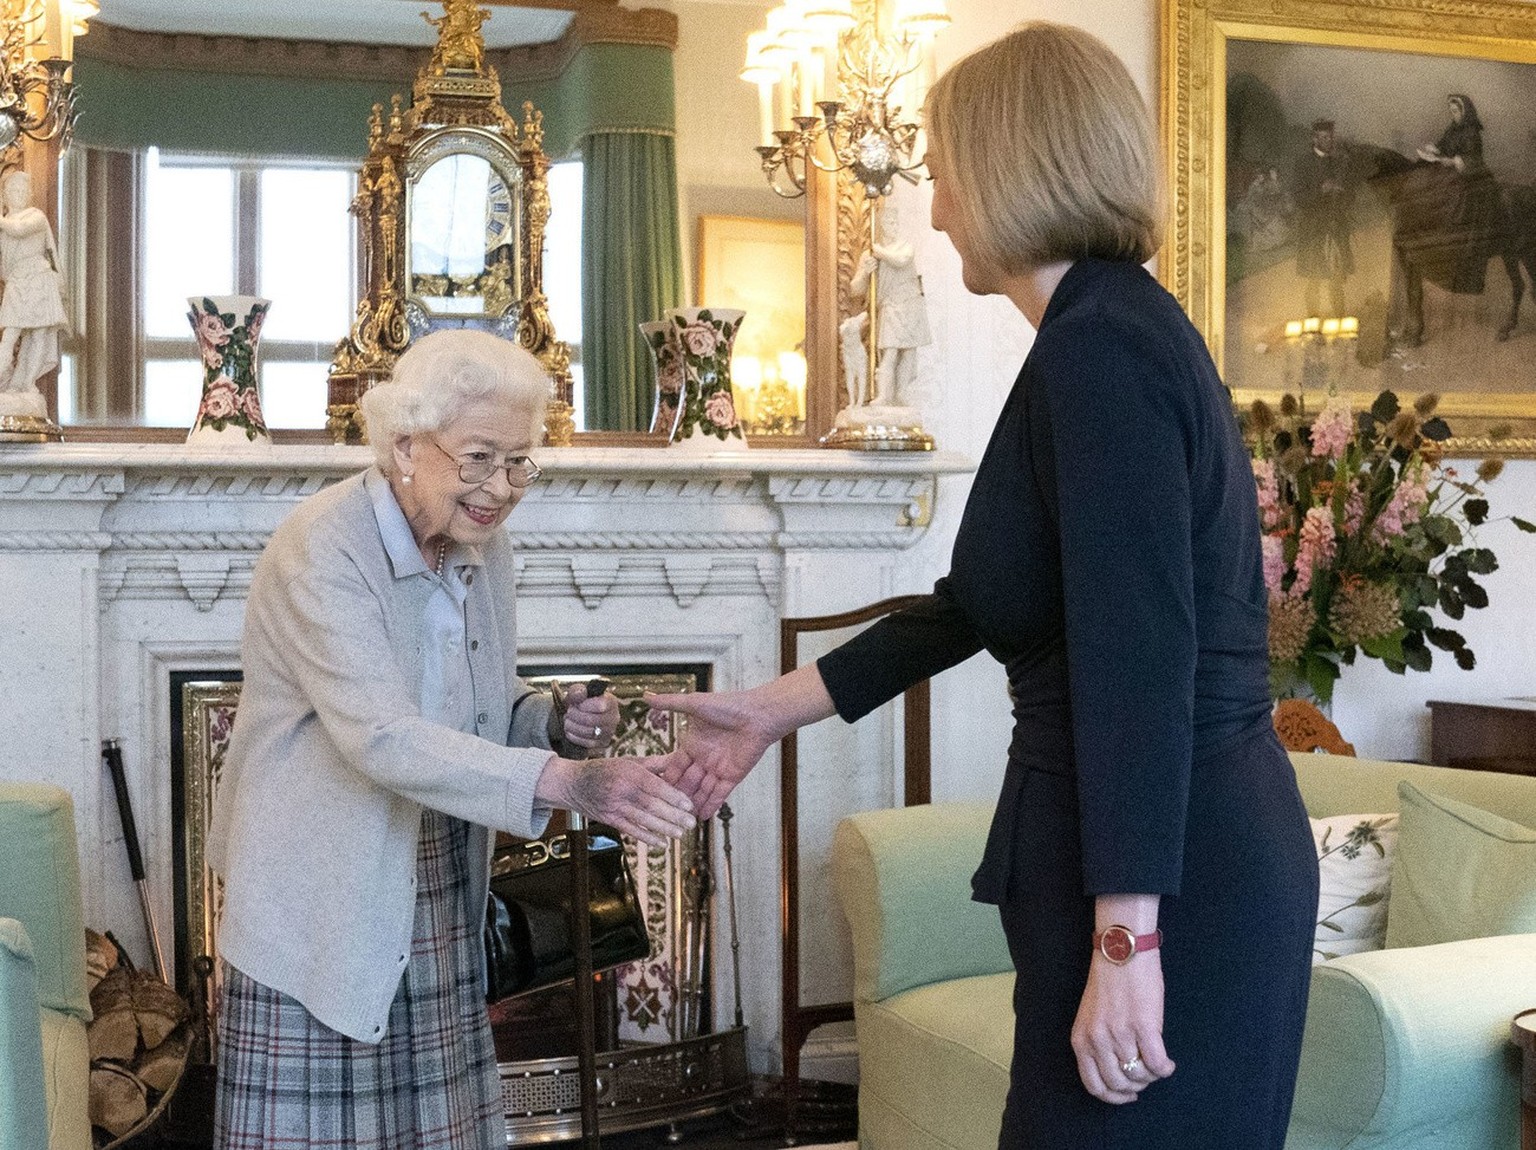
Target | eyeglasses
(478,466)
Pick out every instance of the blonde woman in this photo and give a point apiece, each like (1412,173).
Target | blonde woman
(1150,855)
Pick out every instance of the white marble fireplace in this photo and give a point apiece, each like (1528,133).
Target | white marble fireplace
(120,564)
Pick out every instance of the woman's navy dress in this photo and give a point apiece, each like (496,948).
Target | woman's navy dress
(1109,559)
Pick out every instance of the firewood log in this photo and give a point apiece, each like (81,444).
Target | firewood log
(114,1032)
(158,1008)
(118,1099)
(159,1068)
(100,957)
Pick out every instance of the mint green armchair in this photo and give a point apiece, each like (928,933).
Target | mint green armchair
(44,1005)
(1405,1049)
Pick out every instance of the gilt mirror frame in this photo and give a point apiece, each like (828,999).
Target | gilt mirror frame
(1196,42)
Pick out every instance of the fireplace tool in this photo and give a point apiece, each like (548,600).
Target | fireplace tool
(581,935)
(112,755)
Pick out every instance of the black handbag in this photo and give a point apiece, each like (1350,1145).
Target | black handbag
(528,915)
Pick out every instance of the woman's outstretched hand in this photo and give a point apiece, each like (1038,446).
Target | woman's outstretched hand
(725,737)
(638,796)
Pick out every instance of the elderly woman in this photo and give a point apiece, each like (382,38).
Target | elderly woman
(382,732)
(1150,855)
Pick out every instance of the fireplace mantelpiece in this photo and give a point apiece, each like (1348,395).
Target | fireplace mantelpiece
(120,564)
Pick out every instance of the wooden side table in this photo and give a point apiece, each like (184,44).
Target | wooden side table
(1523,1031)
(1495,736)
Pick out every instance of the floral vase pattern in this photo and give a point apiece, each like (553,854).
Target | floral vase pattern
(228,329)
(660,337)
(704,337)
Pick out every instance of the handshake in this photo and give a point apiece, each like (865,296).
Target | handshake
(657,797)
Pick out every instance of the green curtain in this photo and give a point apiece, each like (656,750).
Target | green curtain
(631,270)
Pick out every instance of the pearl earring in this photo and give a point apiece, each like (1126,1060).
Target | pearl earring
(406,479)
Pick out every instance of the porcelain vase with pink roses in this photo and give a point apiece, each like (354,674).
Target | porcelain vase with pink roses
(228,331)
(701,339)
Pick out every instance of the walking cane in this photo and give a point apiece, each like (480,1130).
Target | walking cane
(581,934)
(112,755)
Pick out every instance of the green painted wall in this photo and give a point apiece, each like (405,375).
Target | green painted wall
(606,87)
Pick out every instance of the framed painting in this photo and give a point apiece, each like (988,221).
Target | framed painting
(1353,188)
(758,265)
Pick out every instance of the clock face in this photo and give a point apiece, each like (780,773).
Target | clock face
(498,213)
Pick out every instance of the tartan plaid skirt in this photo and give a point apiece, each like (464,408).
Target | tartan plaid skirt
(288,1082)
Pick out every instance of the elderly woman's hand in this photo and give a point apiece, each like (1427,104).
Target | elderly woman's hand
(631,794)
(589,723)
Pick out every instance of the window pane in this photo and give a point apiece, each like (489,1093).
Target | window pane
(189,243)
(562,252)
(307,265)
(293,394)
(67,388)
(172,388)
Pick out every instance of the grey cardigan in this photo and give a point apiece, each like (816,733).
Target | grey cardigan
(318,808)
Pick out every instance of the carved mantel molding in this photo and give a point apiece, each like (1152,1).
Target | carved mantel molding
(160,522)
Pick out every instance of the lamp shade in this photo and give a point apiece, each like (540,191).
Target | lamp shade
(827,18)
(921,18)
(789,29)
(765,59)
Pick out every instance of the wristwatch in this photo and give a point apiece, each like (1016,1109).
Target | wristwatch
(1119,945)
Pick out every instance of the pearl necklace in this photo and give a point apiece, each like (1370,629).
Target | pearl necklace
(442,554)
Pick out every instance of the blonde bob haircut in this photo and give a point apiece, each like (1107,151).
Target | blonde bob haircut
(440,374)
(1049,150)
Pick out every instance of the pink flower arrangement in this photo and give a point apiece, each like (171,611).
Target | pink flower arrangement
(1365,538)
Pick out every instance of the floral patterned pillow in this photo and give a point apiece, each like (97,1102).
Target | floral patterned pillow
(1354,862)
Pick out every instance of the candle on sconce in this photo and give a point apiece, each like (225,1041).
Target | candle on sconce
(1311,325)
(1331,326)
(1293,329)
(808,74)
(1349,325)
(765,112)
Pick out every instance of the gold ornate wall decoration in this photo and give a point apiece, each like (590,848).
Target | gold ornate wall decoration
(412,225)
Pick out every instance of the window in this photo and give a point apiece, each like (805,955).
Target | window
(177,226)
(280,230)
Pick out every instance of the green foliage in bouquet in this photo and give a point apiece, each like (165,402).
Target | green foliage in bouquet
(1368,535)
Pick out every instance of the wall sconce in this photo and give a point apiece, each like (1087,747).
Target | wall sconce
(36,53)
(841,92)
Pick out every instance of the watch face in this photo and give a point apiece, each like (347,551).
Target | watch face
(1117,945)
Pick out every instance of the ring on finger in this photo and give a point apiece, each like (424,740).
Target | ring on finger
(1130,1064)
(597,732)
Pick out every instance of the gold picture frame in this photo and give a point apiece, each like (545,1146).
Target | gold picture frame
(1244,84)
(758,265)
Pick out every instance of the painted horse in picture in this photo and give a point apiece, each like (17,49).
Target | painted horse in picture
(1447,226)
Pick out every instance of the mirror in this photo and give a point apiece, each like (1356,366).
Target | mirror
(461,255)
(134,85)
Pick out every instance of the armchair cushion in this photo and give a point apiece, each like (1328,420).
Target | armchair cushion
(933,1064)
(23,1101)
(903,878)
(40,886)
(1409,1048)
(1461,872)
